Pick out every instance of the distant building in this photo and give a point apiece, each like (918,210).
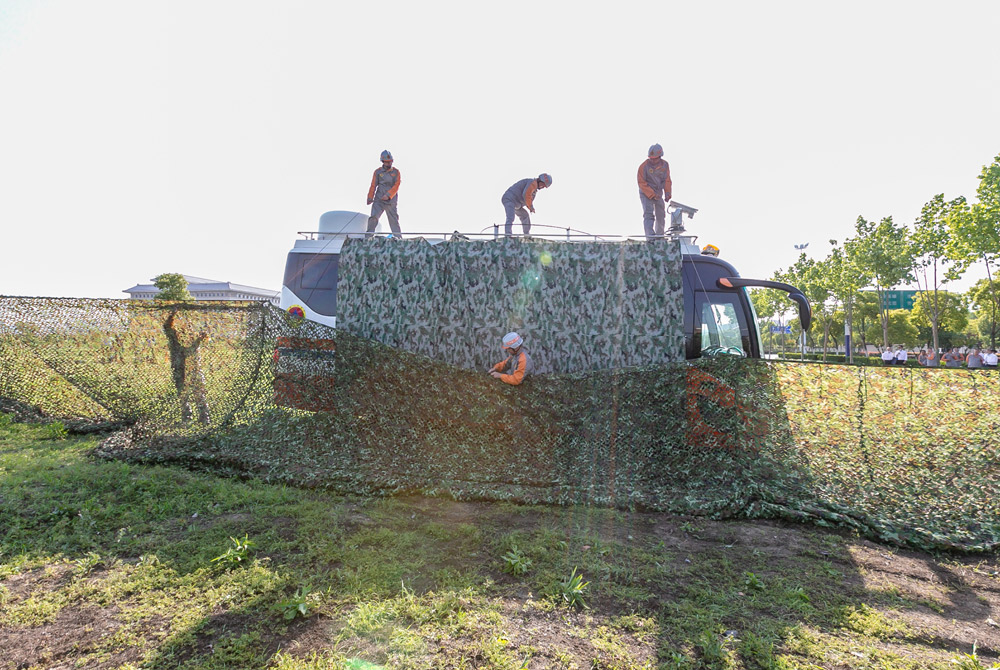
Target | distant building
(209,289)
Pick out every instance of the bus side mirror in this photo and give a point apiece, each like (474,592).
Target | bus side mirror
(805,311)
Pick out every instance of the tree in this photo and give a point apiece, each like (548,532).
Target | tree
(976,229)
(771,306)
(900,330)
(814,279)
(950,314)
(933,265)
(881,251)
(846,281)
(172,286)
(982,300)
(866,315)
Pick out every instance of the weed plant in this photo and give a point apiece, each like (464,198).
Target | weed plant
(569,591)
(515,562)
(237,553)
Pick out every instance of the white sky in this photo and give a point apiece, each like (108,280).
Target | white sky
(198,137)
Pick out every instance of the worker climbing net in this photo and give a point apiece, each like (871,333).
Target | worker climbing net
(245,389)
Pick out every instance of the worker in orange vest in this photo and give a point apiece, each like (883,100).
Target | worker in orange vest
(513,369)
(382,195)
(519,196)
(655,190)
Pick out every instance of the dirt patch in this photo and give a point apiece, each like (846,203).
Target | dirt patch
(315,634)
(951,605)
(558,633)
(50,577)
(75,633)
(447,511)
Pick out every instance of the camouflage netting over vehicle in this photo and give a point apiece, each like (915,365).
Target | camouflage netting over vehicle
(905,455)
(582,306)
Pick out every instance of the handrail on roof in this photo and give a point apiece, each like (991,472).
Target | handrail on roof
(569,235)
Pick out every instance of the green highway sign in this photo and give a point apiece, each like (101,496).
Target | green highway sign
(898,299)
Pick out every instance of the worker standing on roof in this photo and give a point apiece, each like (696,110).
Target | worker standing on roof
(654,191)
(513,369)
(382,195)
(520,196)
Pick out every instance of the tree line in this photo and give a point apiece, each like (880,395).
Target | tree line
(849,287)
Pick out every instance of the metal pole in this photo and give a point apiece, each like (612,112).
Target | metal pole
(847,341)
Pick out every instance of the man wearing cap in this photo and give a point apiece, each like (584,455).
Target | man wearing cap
(513,369)
(519,196)
(655,190)
(382,195)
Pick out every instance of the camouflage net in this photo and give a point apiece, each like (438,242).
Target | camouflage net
(904,455)
(581,306)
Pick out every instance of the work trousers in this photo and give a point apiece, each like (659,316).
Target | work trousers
(389,207)
(511,208)
(652,210)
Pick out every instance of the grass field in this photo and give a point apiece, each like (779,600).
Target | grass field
(111,565)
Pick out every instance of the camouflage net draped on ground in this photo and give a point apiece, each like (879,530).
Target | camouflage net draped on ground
(906,455)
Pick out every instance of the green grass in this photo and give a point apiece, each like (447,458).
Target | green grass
(121,565)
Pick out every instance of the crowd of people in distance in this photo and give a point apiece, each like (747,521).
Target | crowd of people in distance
(955,357)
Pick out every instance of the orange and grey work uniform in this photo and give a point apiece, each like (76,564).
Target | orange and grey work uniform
(654,189)
(517,200)
(384,182)
(514,368)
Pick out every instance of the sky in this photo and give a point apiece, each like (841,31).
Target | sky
(138,138)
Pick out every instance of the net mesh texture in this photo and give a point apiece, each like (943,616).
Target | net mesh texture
(396,399)
(906,455)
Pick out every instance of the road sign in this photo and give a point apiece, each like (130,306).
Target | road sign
(898,299)
(782,329)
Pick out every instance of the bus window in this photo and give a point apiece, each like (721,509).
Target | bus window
(313,279)
(721,327)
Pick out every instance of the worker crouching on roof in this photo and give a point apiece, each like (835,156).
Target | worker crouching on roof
(520,196)
(513,369)
(655,190)
(382,195)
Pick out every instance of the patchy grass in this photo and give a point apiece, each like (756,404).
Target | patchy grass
(110,565)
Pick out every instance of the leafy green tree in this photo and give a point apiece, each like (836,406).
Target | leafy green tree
(900,329)
(773,308)
(172,286)
(881,251)
(846,281)
(950,314)
(976,230)
(933,263)
(981,298)
(867,316)
(836,328)
(816,281)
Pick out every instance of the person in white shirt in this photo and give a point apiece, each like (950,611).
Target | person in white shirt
(901,356)
(887,357)
(990,359)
